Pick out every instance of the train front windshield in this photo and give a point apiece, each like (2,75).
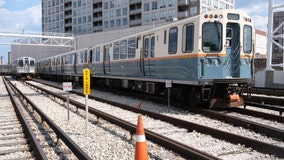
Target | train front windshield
(212,37)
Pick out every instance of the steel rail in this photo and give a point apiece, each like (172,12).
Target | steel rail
(35,145)
(230,137)
(175,146)
(261,128)
(76,150)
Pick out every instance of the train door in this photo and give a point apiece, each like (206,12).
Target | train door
(148,52)
(106,60)
(26,65)
(75,63)
(232,50)
(62,64)
(90,58)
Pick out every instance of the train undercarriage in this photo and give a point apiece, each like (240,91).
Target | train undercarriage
(222,93)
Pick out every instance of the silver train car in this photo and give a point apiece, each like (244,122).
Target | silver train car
(5,69)
(23,68)
(207,59)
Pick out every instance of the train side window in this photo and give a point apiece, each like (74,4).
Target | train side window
(123,49)
(165,36)
(131,47)
(97,54)
(146,47)
(212,37)
(81,57)
(91,56)
(173,40)
(247,39)
(69,59)
(153,46)
(85,56)
(188,38)
(115,50)
(21,63)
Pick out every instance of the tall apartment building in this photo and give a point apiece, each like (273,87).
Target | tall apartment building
(88,16)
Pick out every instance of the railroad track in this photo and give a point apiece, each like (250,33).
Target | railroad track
(44,139)
(241,150)
(17,138)
(93,144)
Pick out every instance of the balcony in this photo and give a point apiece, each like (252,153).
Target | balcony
(134,1)
(68,24)
(98,10)
(96,19)
(135,11)
(136,22)
(97,1)
(98,28)
(183,14)
(183,2)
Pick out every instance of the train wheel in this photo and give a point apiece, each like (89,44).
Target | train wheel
(193,98)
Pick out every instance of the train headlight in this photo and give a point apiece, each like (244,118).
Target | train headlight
(217,62)
(207,62)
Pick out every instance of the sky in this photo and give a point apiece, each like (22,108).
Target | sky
(17,16)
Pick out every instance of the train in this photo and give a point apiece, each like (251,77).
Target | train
(202,60)
(5,69)
(23,68)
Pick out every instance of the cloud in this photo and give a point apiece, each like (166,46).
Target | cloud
(2,2)
(17,21)
(258,12)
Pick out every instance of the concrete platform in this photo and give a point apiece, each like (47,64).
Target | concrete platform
(269,79)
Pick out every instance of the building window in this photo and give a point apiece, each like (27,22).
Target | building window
(162,4)
(111,23)
(124,11)
(106,24)
(154,5)
(118,22)
(89,18)
(171,3)
(154,16)
(193,11)
(124,22)
(163,15)
(146,7)
(118,12)
(105,5)
(111,4)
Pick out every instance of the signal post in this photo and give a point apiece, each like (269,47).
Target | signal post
(86,92)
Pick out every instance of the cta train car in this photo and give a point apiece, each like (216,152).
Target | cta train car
(206,59)
(23,68)
(5,69)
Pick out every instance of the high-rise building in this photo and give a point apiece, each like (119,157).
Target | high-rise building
(88,16)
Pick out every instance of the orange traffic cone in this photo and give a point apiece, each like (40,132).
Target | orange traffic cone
(141,152)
